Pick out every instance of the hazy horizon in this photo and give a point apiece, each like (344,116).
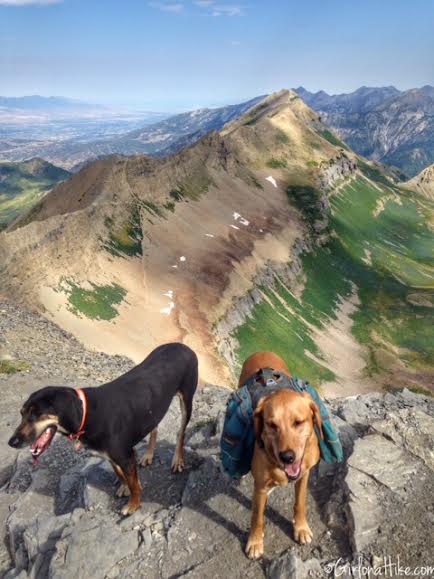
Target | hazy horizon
(143,107)
(173,55)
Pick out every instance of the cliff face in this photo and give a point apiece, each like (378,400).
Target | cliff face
(242,308)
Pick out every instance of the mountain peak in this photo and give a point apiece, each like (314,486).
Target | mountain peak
(269,106)
(423,182)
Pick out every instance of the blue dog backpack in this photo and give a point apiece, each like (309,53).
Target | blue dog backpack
(237,442)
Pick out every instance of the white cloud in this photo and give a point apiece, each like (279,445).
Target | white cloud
(167,7)
(219,9)
(28,2)
(236,42)
(227,10)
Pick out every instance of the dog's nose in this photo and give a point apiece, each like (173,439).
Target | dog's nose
(287,456)
(15,441)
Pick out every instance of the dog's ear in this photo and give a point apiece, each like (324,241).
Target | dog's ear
(315,412)
(258,420)
(317,417)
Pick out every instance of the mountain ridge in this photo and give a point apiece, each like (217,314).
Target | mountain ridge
(160,138)
(269,234)
(384,124)
(129,217)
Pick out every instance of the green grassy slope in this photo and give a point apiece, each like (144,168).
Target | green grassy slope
(23,184)
(382,248)
(97,302)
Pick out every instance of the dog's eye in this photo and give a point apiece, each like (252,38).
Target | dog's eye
(272,426)
(298,423)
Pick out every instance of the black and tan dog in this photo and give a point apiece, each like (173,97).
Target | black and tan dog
(286,449)
(114,417)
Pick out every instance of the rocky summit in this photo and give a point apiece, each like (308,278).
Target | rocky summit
(60,519)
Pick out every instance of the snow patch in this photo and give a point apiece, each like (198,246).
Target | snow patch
(242,220)
(272,180)
(167,311)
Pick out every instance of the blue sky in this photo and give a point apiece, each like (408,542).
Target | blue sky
(177,54)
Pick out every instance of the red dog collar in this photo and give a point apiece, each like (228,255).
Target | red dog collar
(80,432)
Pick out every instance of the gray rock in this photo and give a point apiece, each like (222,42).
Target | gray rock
(289,566)
(355,411)
(90,548)
(365,514)
(379,474)
(15,574)
(383,461)
(284,567)
(99,483)
(6,501)
(413,430)
(41,536)
(36,501)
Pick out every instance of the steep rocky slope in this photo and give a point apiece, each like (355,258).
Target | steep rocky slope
(382,124)
(23,184)
(359,308)
(61,519)
(132,252)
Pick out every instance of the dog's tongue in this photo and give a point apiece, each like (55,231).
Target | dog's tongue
(42,442)
(293,470)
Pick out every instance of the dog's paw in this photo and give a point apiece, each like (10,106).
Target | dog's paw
(129,508)
(146,460)
(302,533)
(254,548)
(177,464)
(123,491)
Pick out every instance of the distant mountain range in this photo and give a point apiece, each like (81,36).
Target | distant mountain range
(384,124)
(161,138)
